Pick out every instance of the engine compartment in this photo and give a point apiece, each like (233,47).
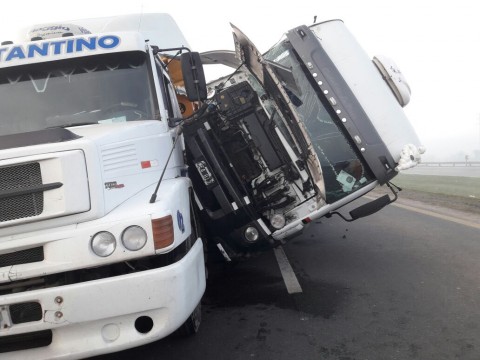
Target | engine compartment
(240,165)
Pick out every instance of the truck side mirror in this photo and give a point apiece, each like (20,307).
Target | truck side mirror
(193,76)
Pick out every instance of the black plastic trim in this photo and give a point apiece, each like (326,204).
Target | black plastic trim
(26,341)
(26,256)
(46,136)
(5,194)
(316,59)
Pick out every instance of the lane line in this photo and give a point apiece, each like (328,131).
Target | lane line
(289,277)
(432,213)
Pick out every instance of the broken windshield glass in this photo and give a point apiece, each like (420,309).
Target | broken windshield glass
(343,170)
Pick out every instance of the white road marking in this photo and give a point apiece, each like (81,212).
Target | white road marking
(289,277)
(224,253)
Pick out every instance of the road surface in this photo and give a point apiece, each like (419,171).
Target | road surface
(399,284)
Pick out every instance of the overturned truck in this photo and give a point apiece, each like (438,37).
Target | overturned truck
(294,134)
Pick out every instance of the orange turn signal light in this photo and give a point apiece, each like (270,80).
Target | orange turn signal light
(162,232)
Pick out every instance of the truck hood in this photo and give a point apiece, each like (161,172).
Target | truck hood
(94,171)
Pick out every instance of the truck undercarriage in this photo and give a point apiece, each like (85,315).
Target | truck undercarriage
(279,141)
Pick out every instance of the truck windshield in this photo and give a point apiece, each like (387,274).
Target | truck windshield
(90,90)
(343,170)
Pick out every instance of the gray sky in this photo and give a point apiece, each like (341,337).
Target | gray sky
(435,44)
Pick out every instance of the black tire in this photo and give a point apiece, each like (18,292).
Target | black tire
(192,325)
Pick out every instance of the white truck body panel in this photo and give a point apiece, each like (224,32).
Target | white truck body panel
(104,148)
(158,29)
(367,84)
(67,248)
(95,321)
(107,171)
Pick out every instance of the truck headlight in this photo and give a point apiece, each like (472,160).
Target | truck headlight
(103,244)
(277,221)
(251,234)
(134,238)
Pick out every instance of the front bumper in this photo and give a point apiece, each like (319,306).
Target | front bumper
(97,317)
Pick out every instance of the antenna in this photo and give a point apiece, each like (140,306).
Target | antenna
(154,195)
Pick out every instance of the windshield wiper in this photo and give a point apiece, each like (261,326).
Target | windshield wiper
(73,124)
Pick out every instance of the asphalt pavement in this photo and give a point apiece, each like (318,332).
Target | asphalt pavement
(395,285)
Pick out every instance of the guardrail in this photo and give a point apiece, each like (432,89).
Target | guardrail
(450,163)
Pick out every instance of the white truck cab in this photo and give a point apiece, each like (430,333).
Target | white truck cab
(89,264)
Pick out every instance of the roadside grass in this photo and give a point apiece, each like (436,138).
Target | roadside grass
(450,192)
(468,187)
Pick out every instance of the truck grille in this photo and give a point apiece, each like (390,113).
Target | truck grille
(17,178)
(25,312)
(25,341)
(22,257)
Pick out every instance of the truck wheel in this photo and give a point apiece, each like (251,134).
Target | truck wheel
(192,324)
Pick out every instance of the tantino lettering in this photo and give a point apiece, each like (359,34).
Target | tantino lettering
(58,47)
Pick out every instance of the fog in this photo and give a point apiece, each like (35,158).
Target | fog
(433,43)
